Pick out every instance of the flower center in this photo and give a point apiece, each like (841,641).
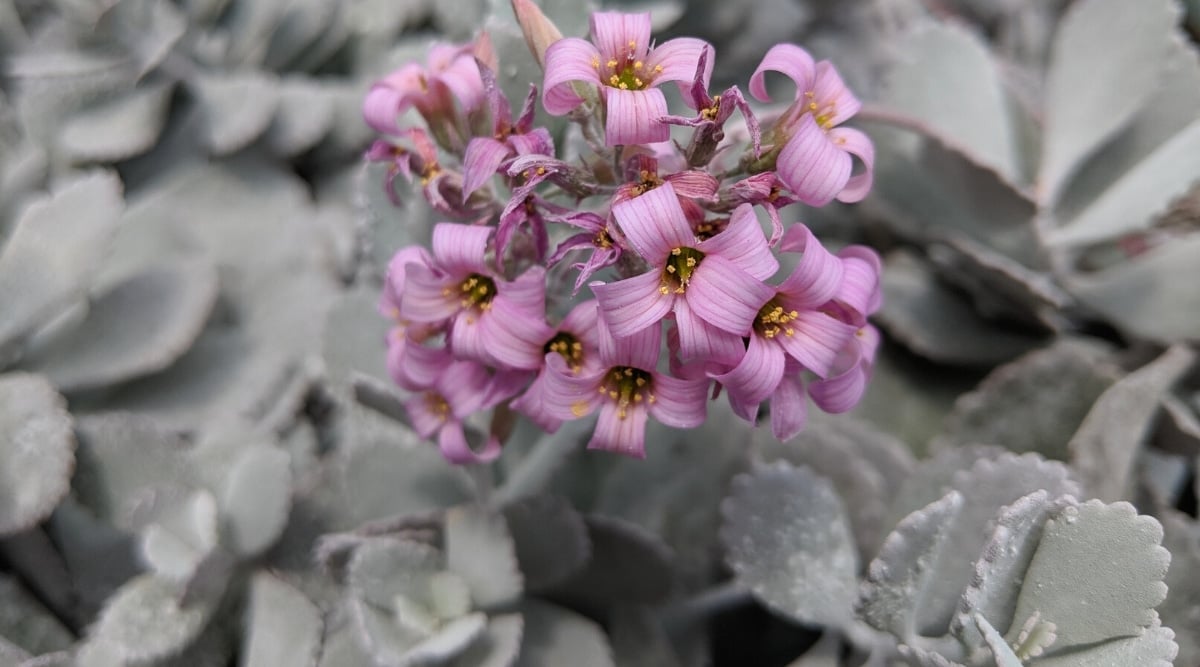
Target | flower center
(602,240)
(823,115)
(477,292)
(647,180)
(710,228)
(437,405)
(773,319)
(626,72)
(681,264)
(711,112)
(569,347)
(627,386)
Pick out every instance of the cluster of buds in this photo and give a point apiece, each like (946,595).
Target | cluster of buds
(676,296)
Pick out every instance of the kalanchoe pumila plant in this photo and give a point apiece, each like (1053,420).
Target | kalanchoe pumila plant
(689,299)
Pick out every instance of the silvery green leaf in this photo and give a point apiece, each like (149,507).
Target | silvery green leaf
(459,19)
(1141,296)
(304,116)
(144,621)
(555,636)
(37,450)
(284,626)
(237,108)
(1178,429)
(550,537)
(629,565)
(21,171)
(56,659)
(947,78)
(98,558)
(382,479)
(1001,287)
(135,328)
(787,539)
(182,537)
(387,641)
(354,336)
(256,500)
(450,640)
(933,321)
(12,654)
(28,624)
(1035,403)
(384,568)
(342,646)
(638,638)
(300,24)
(1181,536)
(935,477)
(897,578)
(480,549)
(148,30)
(1105,446)
(1084,108)
(498,646)
(1097,574)
(1153,647)
(919,657)
(251,26)
(52,252)
(119,128)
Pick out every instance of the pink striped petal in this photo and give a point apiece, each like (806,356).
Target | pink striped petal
(460,250)
(424,419)
(811,165)
(569,59)
(612,33)
(568,396)
(464,386)
(425,298)
(536,142)
(815,340)
(830,91)
(817,276)
(397,273)
(463,79)
(654,224)
(787,59)
(581,321)
(860,290)
(841,392)
(856,143)
(418,367)
(789,411)
(514,338)
(481,161)
(452,441)
(726,296)
(678,402)
(694,184)
(622,435)
(638,350)
(758,374)
(381,108)
(633,116)
(532,404)
(524,122)
(742,242)
(467,340)
(631,305)
(700,341)
(679,58)
(527,294)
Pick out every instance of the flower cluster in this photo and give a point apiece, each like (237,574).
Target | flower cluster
(677,293)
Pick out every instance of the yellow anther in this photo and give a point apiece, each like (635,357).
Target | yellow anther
(638,65)
(612,64)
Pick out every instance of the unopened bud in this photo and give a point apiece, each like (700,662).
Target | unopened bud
(540,32)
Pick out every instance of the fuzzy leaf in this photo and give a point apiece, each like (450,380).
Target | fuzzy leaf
(1154,647)
(480,549)
(933,478)
(120,128)
(178,542)
(37,451)
(787,539)
(555,636)
(1181,536)
(97,558)
(947,78)
(897,578)
(1084,108)
(498,646)
(1097,574)
(354,335)
(285,627)
(919,657)
(144,621)
(1001,651)
(304,116)
(237,108)
(629,565)
(24,621)
(50,256)
(138,327)
(384,568)
(382,479)
(257,497)
(551,539)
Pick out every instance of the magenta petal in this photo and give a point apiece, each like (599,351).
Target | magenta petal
(629,306)
(581,321)
(569,59)
(568,396)
(419,366)
(623,435)
(536,142)
(425,298)
(817,276)
(654,224)
(789,412)
(381,107)
(613,33)
(460,249)
(815,340)
(678,58)
(638,350)
(452,441)
(788,59)
(859,290)
(532,404)
(514,337)
(701,341)
(467,340)
(811,165)
(742,242)
(633,117)
(464,385)
(678,402)
(425,420)
(840,393)
(726,296)
(480,162)
(527,294)
(856,143)
(397,272)
(693,184)
(463,79)
(758,374)
(830,92)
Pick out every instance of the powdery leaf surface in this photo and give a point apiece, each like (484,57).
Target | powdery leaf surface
(480,549)
(144,621)
(256,500)
(555,636)
(498,646)
(37,450)
(550,537)
(119,128)
(284,627)
(237,108)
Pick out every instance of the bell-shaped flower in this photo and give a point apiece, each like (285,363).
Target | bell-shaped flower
(462,388)
(576,340)
(627,389)
(597,236)
(713,286)
(486,155)
(815,162)
(627,68)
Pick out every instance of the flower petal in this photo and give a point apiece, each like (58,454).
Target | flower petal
(612,33)
(856,143)
(417,366)
(463,79)
(678,402)
(537,142)
(787,59)
(566,395)
(633,116)
(425,297)
(841,392)
(678,58)
(527,293)
(814,339)
(453,443)
(758,374)
(467,340)
(742,242)
(811,165)
(381,108)
(789,412)
(631,305)
(818,275)
(460,250)
(482,159)
(424,419)
(726,296)
(860,289)
(514,338)
(654,224)
(621,434)
(638,350)
(569,59)
(532,404)
(694,184)
(830,91)
(397,274)
(701,341)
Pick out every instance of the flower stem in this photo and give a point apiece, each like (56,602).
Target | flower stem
(698,608)
(535,471)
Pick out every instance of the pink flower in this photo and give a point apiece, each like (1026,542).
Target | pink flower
(410,364)
(461,389)
(642,176)
(577,342)
(485,155)
(764,190)
(489,318)
(627,391)
(713,112)
(815,163)
(597,236)
(450,74)
(713,286)
(627,70)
